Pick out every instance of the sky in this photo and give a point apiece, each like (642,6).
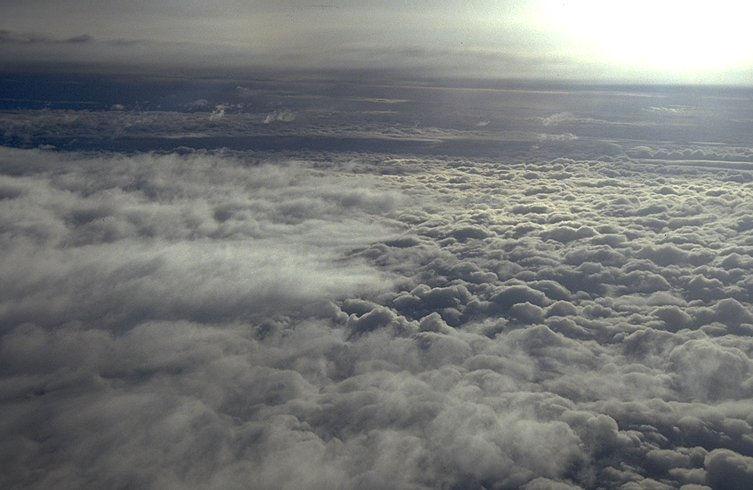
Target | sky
(624,41)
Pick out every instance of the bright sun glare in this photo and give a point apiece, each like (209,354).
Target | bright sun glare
(684,37)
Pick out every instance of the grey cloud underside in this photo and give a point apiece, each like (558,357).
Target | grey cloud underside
(309,51)
(11,38)
(219,320)
(491,39)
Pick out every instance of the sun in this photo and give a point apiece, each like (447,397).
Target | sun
(669,36)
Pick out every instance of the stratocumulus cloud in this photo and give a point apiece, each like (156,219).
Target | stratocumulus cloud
(221,320)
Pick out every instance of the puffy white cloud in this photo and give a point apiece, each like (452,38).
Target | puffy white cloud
(727,469)
(223,320)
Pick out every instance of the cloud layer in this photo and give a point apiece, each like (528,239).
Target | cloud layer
(219,320)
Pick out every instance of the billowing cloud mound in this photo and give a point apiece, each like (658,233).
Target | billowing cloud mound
(220,320)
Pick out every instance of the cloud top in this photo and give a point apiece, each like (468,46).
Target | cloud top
(226,320)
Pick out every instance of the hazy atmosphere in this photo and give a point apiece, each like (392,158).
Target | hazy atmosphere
(376,245)
(621,40)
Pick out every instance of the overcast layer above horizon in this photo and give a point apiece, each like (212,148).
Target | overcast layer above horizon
(671,41)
